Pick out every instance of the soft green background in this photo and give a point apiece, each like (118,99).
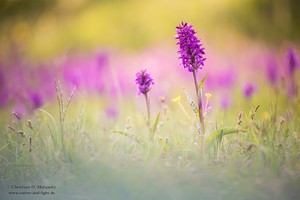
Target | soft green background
(46,28)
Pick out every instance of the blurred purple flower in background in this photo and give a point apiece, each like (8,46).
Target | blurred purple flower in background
(225,102)
(191,53)
(292,64)
(292,61)
(25,86)
(272,70)
(249,90)
(111,112)
(226,78)
(144,82)
(85,72)
(35,99)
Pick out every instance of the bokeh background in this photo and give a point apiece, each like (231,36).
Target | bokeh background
(70,114)
(48,28)
(100,45)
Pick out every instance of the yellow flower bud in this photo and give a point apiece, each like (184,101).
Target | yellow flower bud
(208,95)
(176,99)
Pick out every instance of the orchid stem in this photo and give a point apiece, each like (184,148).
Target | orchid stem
(148,110)
(200,109)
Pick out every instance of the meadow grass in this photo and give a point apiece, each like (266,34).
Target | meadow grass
(251,152)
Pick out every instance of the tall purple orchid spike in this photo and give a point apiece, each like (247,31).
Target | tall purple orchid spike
(191,54)
(144,83)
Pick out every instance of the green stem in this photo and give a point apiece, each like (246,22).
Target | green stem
(199,100)
(148,110)
(200,109)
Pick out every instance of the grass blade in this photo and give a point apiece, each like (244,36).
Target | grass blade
(153,130)
(223,131)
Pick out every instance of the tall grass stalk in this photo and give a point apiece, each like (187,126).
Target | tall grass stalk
(63,107)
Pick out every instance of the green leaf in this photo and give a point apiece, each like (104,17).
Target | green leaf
(202,82)
(155,126)
(221,132)
(192,103)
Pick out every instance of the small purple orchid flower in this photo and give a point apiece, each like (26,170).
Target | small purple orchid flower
(144,83)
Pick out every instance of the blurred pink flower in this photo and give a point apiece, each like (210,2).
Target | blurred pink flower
(225,102)
(249,90)
(87,73)
(111,112)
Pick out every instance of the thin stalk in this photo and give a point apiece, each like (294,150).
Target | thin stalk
(199,100)
(184,111)
(200,109)
(148,110)
(274,120)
